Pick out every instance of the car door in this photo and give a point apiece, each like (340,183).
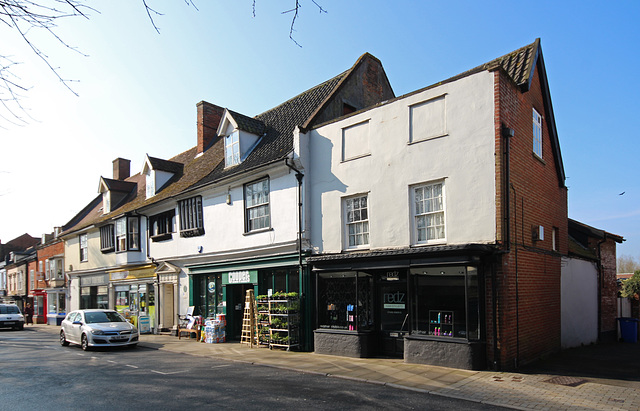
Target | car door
(73,330)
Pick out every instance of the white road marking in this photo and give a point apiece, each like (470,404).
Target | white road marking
(167,373)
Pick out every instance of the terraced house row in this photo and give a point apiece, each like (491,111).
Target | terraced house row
(431,226)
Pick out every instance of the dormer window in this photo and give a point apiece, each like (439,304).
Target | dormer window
(232,149)
(114,192)
(150,184)
(158,173)
(106,202)
(241,135)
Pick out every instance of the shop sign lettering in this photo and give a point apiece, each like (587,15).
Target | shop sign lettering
(239,277)
(393,275)
(394,300)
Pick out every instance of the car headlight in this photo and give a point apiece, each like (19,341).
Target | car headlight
(134,331)
(97,332)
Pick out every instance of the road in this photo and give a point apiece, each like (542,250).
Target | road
(39,374)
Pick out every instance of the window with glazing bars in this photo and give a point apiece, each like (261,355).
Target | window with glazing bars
(191,219)
(257,213)
(429,212)
(106,239)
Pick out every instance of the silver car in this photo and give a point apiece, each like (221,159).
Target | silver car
(97,328)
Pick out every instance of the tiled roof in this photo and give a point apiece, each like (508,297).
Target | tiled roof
(166,165)
(122,186)
(519,64)
(194,169)
(248,124)
(279,124)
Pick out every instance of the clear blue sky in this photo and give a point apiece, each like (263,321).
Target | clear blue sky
(138,89)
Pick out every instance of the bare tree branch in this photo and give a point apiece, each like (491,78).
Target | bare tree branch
(295,12)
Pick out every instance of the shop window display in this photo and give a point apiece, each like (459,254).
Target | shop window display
(345,301)
(445,302)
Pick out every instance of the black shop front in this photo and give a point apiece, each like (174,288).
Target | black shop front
(423,305)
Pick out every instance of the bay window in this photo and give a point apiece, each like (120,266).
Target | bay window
(127,234)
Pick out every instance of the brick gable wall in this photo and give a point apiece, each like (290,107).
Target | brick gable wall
(528,273)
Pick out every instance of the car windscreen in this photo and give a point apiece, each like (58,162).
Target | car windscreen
(103,317)
(9,309)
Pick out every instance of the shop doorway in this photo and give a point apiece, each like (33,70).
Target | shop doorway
(236,295)
(392,311)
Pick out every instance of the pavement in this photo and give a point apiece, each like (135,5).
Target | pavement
(596,377)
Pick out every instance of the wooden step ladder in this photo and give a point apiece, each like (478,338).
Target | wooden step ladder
(249,323)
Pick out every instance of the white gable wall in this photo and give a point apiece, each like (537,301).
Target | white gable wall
(385,170)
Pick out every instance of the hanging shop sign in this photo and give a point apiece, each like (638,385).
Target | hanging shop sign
(240,277)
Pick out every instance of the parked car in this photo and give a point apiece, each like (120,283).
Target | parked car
(11,317)
(97,328)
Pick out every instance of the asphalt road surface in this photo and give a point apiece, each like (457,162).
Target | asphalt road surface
(36,373)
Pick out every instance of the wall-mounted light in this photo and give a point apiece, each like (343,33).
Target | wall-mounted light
(229,196)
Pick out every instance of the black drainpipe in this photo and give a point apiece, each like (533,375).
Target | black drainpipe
(299,177)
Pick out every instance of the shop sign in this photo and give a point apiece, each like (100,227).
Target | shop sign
(240,277)
(121,275)
(93,280)
(394,301)
(393,275)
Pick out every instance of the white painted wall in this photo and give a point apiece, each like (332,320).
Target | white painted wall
(463,158)
(96,258)
(224,223)
(579,302)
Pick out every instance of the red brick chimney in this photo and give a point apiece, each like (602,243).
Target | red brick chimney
(121,168)
(209,116)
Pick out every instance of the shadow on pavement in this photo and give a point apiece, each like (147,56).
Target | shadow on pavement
(614,360)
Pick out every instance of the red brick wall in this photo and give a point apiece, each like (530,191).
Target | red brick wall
(528,274)
(608,287)
(48,251)
(208,120)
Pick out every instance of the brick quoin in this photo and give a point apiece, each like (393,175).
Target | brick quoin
(528,273)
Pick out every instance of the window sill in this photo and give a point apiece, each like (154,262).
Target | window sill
(411,142)
(162,237)
(341,331)
(421,337)
(429,244)
(194,232)
(108,250)
(262,230)
(537,157)
(356,157)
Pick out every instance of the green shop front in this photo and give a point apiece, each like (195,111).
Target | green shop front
(221,288)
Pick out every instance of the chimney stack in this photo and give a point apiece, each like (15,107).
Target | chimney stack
(121,168)
(209,116)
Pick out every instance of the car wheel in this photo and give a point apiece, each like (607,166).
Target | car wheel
(18,328)
(63,339)
(84,343)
